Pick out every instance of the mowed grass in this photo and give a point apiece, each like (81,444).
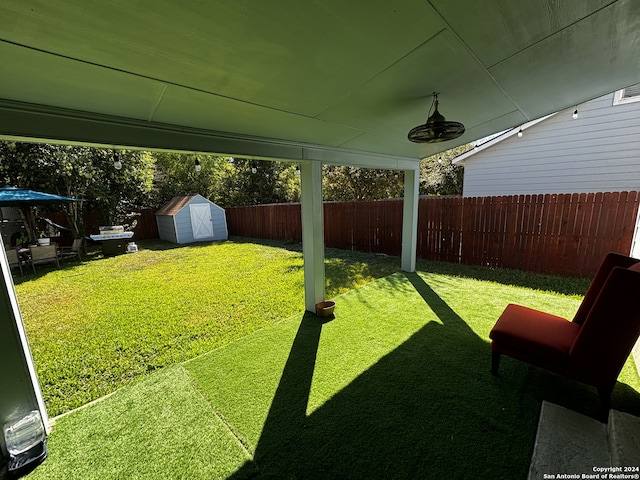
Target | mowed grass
(397,385)
(95,326)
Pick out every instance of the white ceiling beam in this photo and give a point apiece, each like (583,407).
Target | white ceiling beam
(37,123)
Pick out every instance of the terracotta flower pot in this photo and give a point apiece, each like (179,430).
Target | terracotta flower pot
(325,309)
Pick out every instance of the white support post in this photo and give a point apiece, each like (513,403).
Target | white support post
(312,233)
(410,220)
(20,387)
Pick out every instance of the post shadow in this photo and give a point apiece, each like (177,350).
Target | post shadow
(428,409)
(404,417)
(288,410)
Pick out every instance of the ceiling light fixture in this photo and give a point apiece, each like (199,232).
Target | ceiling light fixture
(437,129)
(198,166)
(575,113)
(520,133)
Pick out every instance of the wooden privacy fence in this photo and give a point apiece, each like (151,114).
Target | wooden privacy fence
(278,221)
(557,234)
(565,234)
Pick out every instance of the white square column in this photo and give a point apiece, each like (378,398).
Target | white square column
(312,233)
(410,220)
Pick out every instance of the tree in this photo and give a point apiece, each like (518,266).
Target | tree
(81,172)
(176,174)
(117,191)
(250,182)
(354,183)
(439,176)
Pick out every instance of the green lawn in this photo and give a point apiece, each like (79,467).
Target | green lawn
(94,327)
(396,386)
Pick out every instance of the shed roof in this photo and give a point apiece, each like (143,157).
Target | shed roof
(176,204)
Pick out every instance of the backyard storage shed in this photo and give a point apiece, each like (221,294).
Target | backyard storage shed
(191,218)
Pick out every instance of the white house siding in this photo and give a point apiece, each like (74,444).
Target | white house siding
(597,152)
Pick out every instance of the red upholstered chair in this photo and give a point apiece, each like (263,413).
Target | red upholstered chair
(593,347)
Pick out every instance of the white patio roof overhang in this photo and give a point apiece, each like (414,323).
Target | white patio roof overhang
(311,82)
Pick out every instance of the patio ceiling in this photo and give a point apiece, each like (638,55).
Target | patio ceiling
(340,77)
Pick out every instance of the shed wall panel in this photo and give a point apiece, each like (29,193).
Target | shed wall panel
(184,231)
(166,231)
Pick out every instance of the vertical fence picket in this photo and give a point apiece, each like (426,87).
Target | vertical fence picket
(553,236)
(510,257)
(470,237)
(602,202)
(515,229)
(528,229)
(566,247)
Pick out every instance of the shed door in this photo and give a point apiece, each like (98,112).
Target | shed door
(201,223)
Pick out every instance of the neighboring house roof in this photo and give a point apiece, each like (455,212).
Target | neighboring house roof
(594,151)
(487,142)
(178,203)
(630,94)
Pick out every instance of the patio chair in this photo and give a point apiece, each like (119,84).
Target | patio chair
(72,251)
(593,347)
(44,254)
(14,259)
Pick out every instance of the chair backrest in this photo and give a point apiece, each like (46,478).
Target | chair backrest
(48,252)
(77,244)
(609,331)
(611,260)
(12,257)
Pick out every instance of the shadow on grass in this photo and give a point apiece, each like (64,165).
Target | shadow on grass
(343,264)
(42,270)
(428,409)
(161,245)
(506,276)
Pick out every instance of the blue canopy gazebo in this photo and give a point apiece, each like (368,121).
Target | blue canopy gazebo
(23,198)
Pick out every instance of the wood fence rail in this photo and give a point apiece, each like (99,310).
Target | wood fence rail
(564,234)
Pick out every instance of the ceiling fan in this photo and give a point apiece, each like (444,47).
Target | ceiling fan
(437,129)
